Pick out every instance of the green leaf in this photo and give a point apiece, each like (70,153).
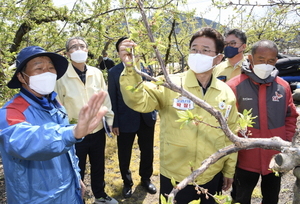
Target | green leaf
(73,121)
(129,87)
(246,120)
(182,114)
(190,114)
(195,201)
(183,124)
(180,120)
(158,82)
(173,182)
(163,199)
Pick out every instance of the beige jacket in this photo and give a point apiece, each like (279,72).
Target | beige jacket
(73,94)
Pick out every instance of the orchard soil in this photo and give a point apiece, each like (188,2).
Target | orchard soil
(140,196)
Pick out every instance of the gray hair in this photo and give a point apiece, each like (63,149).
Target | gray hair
(73,38)
(264,43)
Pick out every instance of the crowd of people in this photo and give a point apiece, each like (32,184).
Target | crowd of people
(63,113)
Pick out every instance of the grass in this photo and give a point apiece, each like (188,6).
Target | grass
(114,182)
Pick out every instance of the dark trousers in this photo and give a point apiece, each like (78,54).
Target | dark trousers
(186,195)
(94,146)
(245,182)
(145,141)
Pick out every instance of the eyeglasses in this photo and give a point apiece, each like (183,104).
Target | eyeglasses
(77,47)
(201,51)
(231,44)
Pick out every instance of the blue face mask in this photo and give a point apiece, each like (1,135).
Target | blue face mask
(230,52)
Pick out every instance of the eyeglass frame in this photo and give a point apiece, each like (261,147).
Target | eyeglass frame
(232,43)
(77,47)
(202,51)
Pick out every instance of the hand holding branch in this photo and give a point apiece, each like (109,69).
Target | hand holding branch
(125,52)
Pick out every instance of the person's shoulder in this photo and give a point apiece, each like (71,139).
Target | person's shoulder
(223,63)
(222,86)
(219,83)
(281,81)
(91,67)
(116,68)
(18,102)
(237,79)
(174,77)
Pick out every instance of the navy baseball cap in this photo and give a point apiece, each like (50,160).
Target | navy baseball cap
(60,63)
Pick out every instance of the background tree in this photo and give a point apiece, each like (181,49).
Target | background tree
(276,20)
(101,23)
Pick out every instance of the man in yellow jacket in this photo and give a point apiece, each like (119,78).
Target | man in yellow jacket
(74,89)
(235,46)
(193,143)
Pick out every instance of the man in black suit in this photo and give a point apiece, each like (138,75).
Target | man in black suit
(127,124)
(106,62)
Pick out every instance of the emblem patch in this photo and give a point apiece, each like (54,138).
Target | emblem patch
(277,96)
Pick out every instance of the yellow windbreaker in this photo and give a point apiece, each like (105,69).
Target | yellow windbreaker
(225,69)
(192,143)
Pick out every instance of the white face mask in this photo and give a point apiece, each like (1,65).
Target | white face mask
(79,56)
(200,63)
(42,83)
(263,70)
(105,58)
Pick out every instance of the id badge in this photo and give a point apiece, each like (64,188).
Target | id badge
(183,103)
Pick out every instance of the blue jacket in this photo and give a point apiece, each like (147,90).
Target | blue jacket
(126,119)
(38,154)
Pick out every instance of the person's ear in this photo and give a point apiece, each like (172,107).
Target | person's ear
(219,59)
(68,55)
(250,57)
(243,47)
(21,78)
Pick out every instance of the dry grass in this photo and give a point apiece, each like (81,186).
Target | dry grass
(114,182)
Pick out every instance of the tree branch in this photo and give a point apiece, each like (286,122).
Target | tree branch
(272,3)
(275,143)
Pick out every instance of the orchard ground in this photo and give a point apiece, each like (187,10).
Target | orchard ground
(114,182)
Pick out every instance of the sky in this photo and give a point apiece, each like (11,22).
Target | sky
(202,8)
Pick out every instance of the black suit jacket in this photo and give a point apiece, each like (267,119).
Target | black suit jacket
(126,119)
(106,64)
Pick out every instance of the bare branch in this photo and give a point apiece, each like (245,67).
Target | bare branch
(275,143)
(257,4)
(87,20)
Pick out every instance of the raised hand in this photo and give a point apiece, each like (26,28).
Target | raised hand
(90,115)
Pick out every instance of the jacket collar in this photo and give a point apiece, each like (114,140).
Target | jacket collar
(238,64)
(45,102)
(192,81)
(247,69)
(72,73)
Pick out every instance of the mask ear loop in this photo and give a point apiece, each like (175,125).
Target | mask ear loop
(24,78)
(241,46)
(214,58)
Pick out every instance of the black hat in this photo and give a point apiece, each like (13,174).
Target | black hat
(60,63)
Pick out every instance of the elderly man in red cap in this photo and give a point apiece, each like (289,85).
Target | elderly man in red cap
(36,139)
